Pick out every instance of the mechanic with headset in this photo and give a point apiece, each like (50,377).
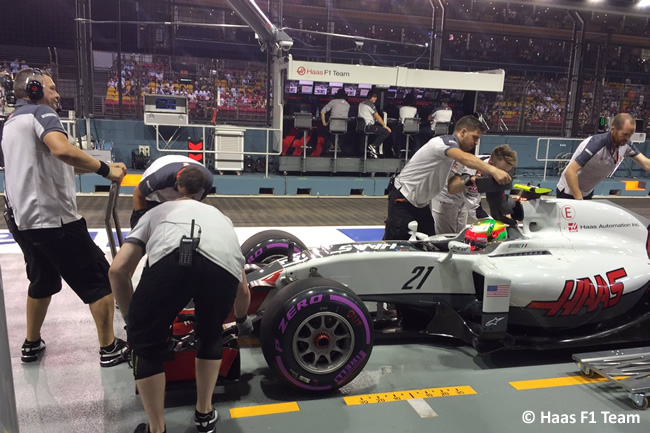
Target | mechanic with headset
(598,157)
(159,181)
(427,173)
(193,253)
(451,211)
(41,214)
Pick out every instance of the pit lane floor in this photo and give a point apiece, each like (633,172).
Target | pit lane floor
(67,391)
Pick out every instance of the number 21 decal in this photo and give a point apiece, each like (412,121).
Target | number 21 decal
(418,278)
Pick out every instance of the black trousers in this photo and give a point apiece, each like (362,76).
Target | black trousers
(561,194)
(401,212)
(380,133)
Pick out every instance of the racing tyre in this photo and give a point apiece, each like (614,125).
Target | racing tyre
(316,335)
(270,245)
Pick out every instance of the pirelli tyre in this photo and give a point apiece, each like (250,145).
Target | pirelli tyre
(316,335)
(270,245)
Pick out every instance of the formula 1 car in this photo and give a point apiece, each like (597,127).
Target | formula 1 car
(573,273)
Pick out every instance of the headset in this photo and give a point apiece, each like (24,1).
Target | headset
(33,86)
(178,174)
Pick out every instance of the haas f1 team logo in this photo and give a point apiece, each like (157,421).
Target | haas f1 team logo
(585,293)
(302,70)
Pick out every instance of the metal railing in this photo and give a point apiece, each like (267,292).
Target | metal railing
(546,159)
(277,132)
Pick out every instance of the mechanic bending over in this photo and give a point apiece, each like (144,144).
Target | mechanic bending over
(451,211)
(158,184)
(41,214)
(204,264)
(428,172)
(599,156)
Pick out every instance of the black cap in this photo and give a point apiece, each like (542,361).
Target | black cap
(341,93)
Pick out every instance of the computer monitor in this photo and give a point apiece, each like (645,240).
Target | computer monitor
(457,96)
(320,89)
(291,87)
(306,90)
(333,90)
(363,92)
(350,89)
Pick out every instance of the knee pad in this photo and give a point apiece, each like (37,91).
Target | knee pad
(145,366)
(209,349)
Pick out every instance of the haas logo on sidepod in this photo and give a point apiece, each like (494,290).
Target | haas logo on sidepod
(584,292)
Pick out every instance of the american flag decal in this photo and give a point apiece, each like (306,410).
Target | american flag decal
(499,291)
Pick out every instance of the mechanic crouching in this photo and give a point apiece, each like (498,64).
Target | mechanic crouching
(193,254)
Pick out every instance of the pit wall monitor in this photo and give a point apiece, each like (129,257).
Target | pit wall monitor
(379,76)
(169,110)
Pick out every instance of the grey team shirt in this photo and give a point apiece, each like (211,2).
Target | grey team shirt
(367,111)
(160,231)
(338,107)
(427,173)
(40,187)
(158,180)
(597,160)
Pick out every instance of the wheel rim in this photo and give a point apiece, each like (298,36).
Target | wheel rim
(323,342)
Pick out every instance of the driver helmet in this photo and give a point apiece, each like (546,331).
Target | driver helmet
(484,231)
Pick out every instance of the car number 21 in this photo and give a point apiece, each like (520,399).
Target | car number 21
(417,280)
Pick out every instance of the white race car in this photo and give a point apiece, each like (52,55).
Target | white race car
(573,273)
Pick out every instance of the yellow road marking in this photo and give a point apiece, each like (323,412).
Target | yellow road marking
(555,382)
(383,397)
(131,180)
(265,409)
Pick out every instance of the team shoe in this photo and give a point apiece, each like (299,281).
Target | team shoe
(206,422)
(117,353)
(144,428)
(372,151)
(31,349)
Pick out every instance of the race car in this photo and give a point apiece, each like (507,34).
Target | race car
(572,273)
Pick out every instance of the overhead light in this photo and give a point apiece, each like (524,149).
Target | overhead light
(643,3)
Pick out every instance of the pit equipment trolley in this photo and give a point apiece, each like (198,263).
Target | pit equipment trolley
(628,368)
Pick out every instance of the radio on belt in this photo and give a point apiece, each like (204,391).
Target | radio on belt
(187,247)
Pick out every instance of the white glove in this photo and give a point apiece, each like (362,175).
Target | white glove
(244,325)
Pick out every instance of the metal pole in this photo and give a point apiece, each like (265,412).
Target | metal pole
(437,57)
(120,90)
(269,60)
(8,412)
(433,31)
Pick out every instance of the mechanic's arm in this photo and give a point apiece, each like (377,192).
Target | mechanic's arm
(322,118)
(471,161)
(243,298)
(139,200)
(381,121)
(643,161)
(60,147)
(456,184)
(120,272)
(571,176)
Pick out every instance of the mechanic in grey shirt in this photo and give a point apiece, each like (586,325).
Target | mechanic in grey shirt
(339,107)
(158,184)
(598,157)
(451,211)
(425,175)
(40,165)
(374,123)
(214,280)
